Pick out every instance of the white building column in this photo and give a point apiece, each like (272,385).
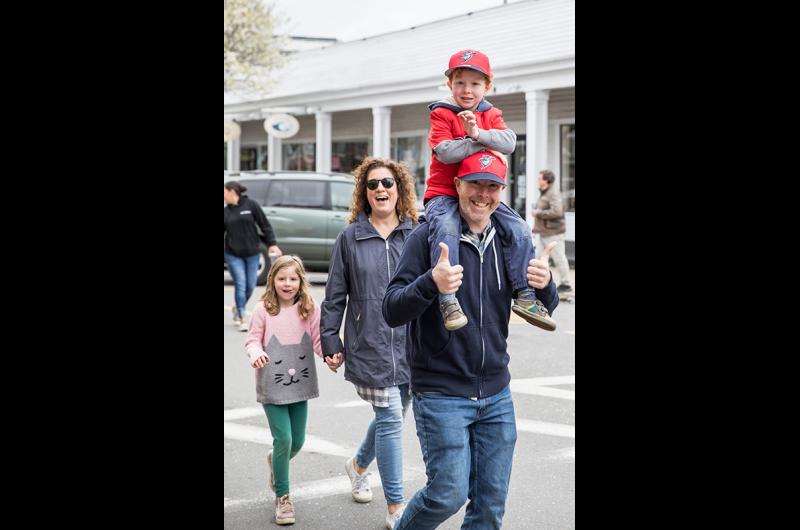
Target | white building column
(234,154)
(535,146)
(381,131)
(274,153)
(323,153)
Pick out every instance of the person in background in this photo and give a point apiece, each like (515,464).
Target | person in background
(549,226)
(243,219)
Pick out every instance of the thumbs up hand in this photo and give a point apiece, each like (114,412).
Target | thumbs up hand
(447,278)
(539,269)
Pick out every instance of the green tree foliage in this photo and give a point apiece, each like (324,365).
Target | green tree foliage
(251,48)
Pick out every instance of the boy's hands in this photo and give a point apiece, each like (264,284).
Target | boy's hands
(447,278)
(469,122)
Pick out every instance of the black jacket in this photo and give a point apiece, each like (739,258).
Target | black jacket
(469,362)
(242,224)
(362,263)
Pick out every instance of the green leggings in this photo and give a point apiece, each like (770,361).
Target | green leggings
(288,426)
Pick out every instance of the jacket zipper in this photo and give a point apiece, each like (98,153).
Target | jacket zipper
(480,305)
(391,344)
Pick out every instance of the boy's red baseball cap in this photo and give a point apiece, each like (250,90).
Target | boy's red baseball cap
(472,59)
(483,166)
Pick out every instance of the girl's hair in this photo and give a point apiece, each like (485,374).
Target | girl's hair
(406,207)
(235,186)
(270,297)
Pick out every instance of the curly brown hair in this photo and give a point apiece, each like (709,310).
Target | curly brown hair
(270,297)
(406,207)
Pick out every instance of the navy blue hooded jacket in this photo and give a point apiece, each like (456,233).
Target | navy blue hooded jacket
(471,361)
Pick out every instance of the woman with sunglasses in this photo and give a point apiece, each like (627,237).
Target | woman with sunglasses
(363,260)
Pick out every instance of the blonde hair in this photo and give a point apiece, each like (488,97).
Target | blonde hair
(406,206)
(270,297)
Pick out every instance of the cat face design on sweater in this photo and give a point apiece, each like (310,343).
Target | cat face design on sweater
(290,363)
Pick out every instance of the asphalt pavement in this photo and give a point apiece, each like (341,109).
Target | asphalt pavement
(542,491)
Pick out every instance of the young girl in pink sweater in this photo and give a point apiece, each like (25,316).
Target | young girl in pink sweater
(281,343)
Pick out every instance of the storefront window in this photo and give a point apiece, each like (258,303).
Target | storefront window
(248,158)
(346,156)
(568,166)
(299,156)
(411,151)
(262,157)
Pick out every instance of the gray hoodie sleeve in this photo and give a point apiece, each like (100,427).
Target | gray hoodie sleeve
(502,140)
(453,151)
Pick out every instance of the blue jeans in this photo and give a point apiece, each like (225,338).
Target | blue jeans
(244,272)
(467,446)
(514,233)
(384,440)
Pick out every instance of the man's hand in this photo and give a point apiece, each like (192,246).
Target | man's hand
(334,361)
(447,278)
(469,122)
(275,250)
(539,269)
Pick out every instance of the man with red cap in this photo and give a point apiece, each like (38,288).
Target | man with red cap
(463,407)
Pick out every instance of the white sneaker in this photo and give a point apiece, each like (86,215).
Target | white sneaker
(360,483)
(236,318)
(243,325)
(392,518)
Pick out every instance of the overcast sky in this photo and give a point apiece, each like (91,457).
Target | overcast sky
(353,19)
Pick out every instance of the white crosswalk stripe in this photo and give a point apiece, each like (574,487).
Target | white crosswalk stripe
(340,485)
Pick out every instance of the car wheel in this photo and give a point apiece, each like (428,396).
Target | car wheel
(263,266)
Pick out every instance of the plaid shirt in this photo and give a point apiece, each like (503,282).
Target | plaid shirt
(377,396)
(478,239)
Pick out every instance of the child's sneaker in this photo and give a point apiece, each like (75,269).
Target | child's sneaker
(392,518)
(271,475)
(284,510)
(533,311)
(452,315)
(360,483)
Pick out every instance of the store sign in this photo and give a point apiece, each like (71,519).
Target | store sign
(281,125)
(232,131)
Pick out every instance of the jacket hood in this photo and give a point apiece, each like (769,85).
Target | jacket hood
(450,103)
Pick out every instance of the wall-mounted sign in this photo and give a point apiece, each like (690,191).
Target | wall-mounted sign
(281,125)
(232,131)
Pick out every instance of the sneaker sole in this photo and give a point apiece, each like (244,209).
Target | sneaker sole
(284,521)
(536,320)
(458,323)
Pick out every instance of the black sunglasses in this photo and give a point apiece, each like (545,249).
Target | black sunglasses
(387,182)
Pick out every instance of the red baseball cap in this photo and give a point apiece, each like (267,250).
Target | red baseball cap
(472,59)
(483,166)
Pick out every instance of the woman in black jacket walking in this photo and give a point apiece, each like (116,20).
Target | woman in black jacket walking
(243,218)
(364,258)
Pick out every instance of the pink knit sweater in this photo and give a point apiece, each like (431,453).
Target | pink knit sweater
(288,341)
(286,326)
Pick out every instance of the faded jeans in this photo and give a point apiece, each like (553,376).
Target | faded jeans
(384,441)
(468,446)
(244,272)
